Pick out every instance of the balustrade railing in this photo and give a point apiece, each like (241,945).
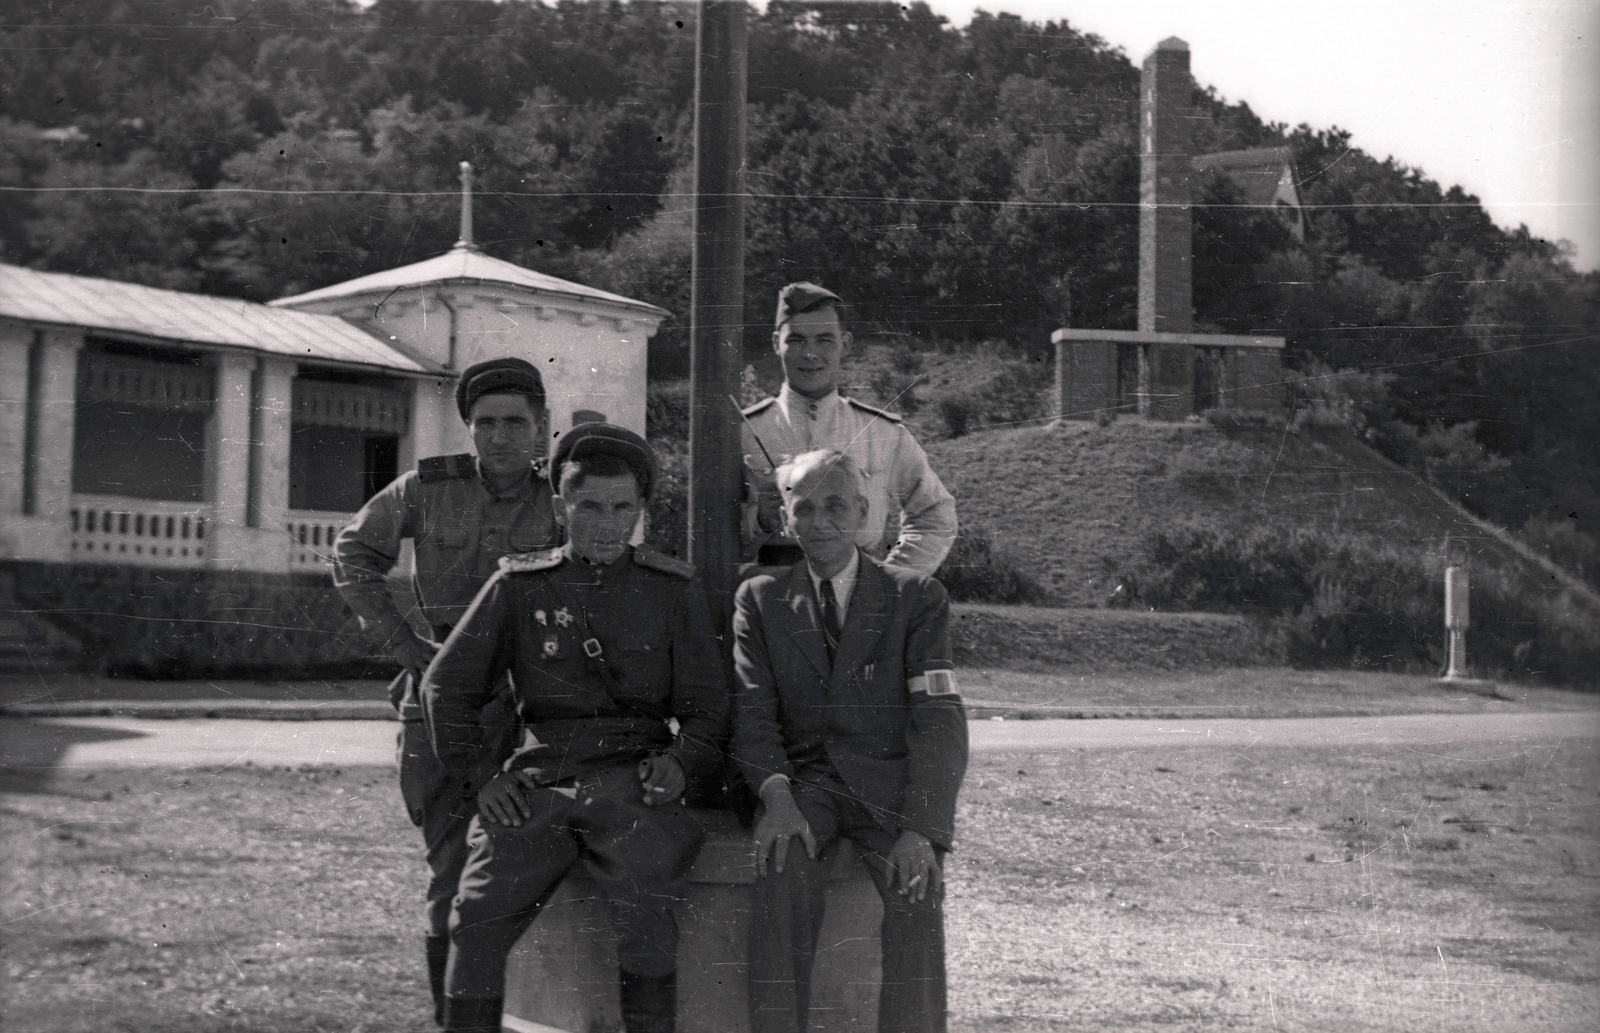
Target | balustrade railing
(138,532)
(149,533)
(311,537)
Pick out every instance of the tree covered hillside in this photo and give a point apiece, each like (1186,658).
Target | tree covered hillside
(957,185)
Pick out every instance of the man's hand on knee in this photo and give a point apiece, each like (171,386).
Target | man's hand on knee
(504,800)
(662,778)
(915,867)
(780,821)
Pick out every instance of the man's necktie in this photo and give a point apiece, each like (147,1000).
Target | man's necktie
(830,618)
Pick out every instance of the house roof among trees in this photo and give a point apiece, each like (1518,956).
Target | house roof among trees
(165,315)
(1257,171)
(468,265)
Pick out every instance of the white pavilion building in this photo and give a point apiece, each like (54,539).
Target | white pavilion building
(148,428)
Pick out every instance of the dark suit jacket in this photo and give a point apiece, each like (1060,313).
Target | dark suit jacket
(901,752)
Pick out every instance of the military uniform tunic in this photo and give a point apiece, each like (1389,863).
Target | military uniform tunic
(601,657)
(532,619)
(460,530)
(911,517)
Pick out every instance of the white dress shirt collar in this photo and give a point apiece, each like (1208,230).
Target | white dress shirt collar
(844,583)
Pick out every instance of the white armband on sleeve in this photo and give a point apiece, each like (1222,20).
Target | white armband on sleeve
(935,683)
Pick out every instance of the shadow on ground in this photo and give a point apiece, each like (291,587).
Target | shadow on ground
(30,750)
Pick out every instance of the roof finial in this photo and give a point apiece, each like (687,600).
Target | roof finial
(465,243)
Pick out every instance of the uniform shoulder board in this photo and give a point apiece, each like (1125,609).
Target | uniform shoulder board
(446,468)
(759,407)
(528,562)
(882,414)
(664,563)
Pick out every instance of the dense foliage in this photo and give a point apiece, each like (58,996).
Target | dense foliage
(959,185)
(1344,599)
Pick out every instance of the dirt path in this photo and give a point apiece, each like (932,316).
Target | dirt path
(34,746)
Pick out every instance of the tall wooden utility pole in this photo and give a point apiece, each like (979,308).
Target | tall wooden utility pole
(716,319)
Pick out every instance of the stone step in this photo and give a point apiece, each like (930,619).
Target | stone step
(29,643)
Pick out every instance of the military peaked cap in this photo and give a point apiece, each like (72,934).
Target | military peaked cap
(605,439)
(517,375)
(803,297)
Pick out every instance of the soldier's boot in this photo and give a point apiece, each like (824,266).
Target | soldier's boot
(438,951)
(473,1014)
(649,1003)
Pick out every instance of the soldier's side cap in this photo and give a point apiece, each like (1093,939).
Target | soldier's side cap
(517,375)
(803,297)
(595,439)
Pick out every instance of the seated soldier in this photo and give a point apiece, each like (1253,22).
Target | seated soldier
(848,725)
(605,643)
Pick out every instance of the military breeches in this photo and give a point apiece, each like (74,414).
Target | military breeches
(786,921)
(638,856)
(440,809)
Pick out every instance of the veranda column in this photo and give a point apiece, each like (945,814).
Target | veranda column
(227,478)
(274,410)
(52,423)
(425,435)
(16,344)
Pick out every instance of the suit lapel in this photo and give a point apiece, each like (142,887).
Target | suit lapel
(863,622)
(805,618)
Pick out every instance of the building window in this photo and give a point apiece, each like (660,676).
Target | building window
(140,427)
(344,442)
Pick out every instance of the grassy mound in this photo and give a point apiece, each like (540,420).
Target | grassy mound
(1335,554)
(1341,549)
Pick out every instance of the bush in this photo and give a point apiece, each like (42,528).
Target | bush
(1565,545)
(666,411)
(895,392)
(1012,397)
(667,519)
(958,413)
(978,571)
(1352,601)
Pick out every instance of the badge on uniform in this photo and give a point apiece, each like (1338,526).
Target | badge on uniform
(538,615)
(563,617)
(552,645)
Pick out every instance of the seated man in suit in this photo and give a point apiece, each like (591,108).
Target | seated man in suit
(848,725)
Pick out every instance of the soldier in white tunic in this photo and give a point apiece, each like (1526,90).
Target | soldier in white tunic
(911,517)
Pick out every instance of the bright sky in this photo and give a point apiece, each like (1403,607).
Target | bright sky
(1500,97)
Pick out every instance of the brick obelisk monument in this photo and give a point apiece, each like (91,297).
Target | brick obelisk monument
(1164,370)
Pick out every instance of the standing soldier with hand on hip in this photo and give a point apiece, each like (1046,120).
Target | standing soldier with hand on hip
(608,645)
(463,514)
(911,517)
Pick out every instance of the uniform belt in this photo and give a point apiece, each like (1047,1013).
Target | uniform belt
(620,724)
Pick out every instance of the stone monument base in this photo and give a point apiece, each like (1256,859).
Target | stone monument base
(1480,686)
(562,975)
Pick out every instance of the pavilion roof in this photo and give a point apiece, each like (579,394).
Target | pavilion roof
(467,265)
(154,313)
